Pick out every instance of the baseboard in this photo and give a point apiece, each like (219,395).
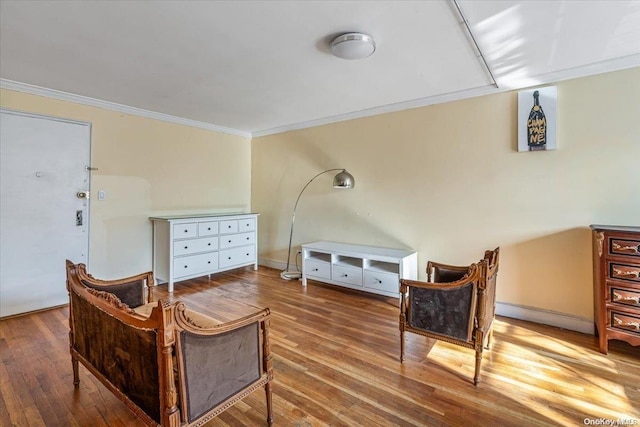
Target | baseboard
(521,312)
(545,317)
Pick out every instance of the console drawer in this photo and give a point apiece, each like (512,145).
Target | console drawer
(349,275)
(317,269)
(382,281)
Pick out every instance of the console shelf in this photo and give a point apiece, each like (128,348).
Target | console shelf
(366,268)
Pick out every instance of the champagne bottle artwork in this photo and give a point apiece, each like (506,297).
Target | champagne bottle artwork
(537,119)
(537,126)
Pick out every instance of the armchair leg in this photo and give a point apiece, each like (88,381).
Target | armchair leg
(267,389)
(476,376)
(76,377)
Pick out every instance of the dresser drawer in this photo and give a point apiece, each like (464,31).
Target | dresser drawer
(624,296)
(237,256)
(382,281)
(350,275)
(193,246)
(625,247)
(621,271)
(317,269)
(195,264)
(229,226)
(237,240)
(209,228)
(248,224)
(625,322)
(183,231)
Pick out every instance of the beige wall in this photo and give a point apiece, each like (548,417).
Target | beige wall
(147,167)
(447,180)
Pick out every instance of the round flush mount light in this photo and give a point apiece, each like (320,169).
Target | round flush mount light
(353,46)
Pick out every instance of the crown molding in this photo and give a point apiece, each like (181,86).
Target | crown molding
(79,99)
(504,86)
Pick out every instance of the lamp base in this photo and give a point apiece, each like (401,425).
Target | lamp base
(291,275)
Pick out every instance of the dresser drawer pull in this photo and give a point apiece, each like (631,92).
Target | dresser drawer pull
(247,238)
(625,299)
(186,266)
(229,241)
(626,274)
(186,247)
(208,244)
(345,275)
(208,262)
(186,231)
(247,253)
(209,229)
(635,249)
(315,269)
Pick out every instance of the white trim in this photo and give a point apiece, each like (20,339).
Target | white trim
(542,79)
(79,99)
(545,317)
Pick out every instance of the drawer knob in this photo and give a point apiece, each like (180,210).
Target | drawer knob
(229,258)
(186,231)
(186,247)
(344,275)
(229,241)
(185,266)
(209,229)
(315,269)
(208,244)
(379,281)
(208,262)
(247,254)
(247,238)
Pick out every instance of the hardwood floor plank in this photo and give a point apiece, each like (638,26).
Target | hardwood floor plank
(336,363)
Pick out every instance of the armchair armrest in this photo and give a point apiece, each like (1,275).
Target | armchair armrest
(220,365)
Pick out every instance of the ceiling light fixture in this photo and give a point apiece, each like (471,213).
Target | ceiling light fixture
(353,46)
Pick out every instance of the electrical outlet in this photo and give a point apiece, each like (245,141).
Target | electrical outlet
(101,195)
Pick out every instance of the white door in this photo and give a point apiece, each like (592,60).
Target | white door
(44,164)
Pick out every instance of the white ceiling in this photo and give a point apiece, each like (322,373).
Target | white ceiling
(260,67)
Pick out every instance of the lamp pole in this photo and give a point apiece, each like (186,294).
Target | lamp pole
(340,181)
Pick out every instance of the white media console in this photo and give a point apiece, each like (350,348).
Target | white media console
(366,268)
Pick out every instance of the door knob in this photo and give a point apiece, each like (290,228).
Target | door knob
(83,194)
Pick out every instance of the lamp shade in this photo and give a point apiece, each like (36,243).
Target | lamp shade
(344,180)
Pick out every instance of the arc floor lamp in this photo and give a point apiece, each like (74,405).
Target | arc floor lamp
(342,180)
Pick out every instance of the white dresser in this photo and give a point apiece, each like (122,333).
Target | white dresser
(366,268)
(185,247)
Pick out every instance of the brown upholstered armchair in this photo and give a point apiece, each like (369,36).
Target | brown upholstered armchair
(171,366)
(456,305)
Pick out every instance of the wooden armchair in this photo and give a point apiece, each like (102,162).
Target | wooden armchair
(456,305)
(170,365)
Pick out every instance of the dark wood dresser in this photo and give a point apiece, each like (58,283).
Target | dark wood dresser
(616,284)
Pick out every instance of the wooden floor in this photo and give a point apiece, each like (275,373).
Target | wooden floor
(336,364)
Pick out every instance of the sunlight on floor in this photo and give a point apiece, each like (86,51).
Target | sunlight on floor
(544,373)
